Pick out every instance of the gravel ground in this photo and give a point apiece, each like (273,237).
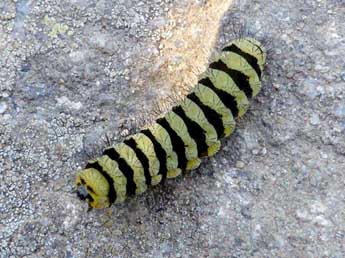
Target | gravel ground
(72,71)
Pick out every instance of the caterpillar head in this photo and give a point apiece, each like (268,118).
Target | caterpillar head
(93,188)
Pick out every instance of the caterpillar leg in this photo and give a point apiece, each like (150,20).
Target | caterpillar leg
(213,149)
(155,180)
(193,163)
(228,131)
(174,173)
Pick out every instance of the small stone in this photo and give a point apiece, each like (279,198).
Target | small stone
(264,151)
(276,86)
(4,95)
(240,164)
(256,151)
(117,232)
(324,155)
(303,215)
(318,207)
(3,107)
(322,68)
(64,101)
(321,221)
(246,212)
(340,111)
(7,117)
(310,88)
(179,43)
(124,132)
(342,76)
(314,120)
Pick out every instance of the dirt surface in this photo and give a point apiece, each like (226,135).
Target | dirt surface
(72,71)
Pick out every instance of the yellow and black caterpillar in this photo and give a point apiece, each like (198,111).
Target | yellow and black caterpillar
(177,141)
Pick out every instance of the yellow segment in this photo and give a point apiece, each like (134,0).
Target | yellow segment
(120,181)
(162,136)
(237,62)
(178,125)
(252,47)
(131,158)
(224,82)
(209,98)
(194,112)
(146,146)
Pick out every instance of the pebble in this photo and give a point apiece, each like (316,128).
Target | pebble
(276,86)
(64,101)
(314,119)
(3,107)
(264,151)
(340,110)
(124,132)
(239,164)
(342,76)
(321,221)
(7,117)
(310,88)
(255,151)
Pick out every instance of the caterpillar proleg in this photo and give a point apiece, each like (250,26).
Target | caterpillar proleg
(177,141)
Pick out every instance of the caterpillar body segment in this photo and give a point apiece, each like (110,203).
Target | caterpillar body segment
(247,78)
(251,60)
(163,148)
(177,128)
(209,137)
(235,99)
(144,149)
(211,99)
(251,50)
(178,140)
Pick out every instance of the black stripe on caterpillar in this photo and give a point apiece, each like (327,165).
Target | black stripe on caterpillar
(178,141)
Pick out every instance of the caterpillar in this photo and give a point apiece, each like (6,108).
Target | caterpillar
(178,140)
